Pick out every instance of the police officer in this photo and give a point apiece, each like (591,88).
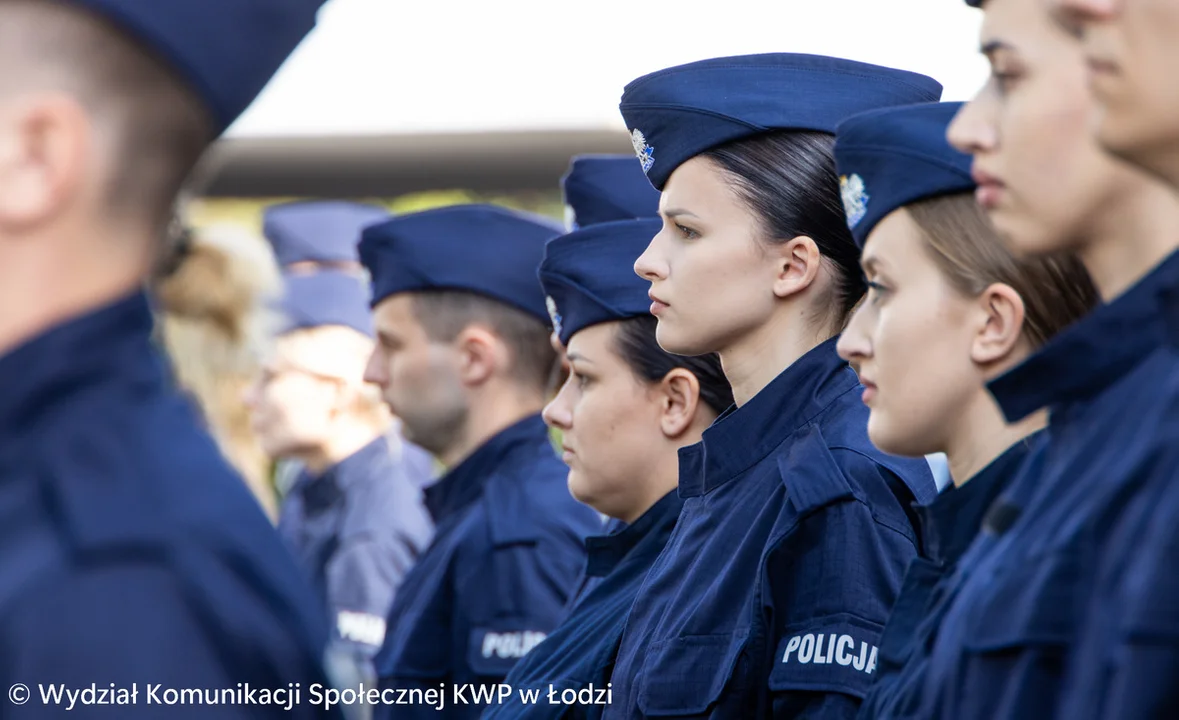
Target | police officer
(354,518)
(623,413)
(771,594)
(319,234)
(1127,655)
(1016,618)
(606,188)
(948,307)
(133,554)
(309,236)
(463,357)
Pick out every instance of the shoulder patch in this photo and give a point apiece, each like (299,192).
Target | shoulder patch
(495,652)
(829,654)
(360,627)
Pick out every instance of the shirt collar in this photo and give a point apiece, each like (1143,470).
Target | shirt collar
(952,521)
(113,341)
(742,437)
(1095,352)
(462,485)
(605,552)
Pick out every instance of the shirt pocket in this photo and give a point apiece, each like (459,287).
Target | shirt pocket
(1034,607)
(1016,646)
(687,675)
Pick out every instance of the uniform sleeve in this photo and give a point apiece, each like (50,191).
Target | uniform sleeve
(832,582)
(362,580)
(132,628)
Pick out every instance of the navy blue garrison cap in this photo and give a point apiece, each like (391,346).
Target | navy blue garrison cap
(323,232)
(589,277)
(481,249)
(604,188)
(227,50)
(892,157)
(678,113)
(326,297)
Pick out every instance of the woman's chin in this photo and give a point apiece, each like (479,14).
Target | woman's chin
(674,341)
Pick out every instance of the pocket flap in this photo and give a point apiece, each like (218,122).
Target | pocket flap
(832,654)
(686,675)
(1034,604)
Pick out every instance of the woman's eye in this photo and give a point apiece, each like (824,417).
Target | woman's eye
(875,291)
(687,233)
(1004,81)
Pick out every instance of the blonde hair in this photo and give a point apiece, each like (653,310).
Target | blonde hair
(341,353)
(217,325)
(1056,289)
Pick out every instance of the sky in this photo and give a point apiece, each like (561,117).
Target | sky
(427,66)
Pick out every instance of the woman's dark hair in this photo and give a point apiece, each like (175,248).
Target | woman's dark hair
(788,179)
(635,343)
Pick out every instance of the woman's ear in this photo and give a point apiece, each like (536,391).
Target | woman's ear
(1002,312)
(680,396)
(798,262)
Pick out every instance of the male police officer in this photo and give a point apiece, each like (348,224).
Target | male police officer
(134,558)
(463,357)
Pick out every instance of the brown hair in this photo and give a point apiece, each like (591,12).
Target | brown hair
(444,314)
(157,126)
(1056,289)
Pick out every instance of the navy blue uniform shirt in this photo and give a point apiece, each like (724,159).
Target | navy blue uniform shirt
(357,529)
(772,592)
(1109,384)
(508,546)
(948,526)
(579,654)
(132,553)
(1126,659)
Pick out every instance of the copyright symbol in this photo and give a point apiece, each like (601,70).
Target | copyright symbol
(18,694)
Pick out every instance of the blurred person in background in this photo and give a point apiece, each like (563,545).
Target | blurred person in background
(313,235)
(354,518)
(133,553)
(216,295)
(463,358)
(626,409)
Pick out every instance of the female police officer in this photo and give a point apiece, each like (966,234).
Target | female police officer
(772,591)
(623,413)
(1047,186)
(948,307)
(1127,654)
